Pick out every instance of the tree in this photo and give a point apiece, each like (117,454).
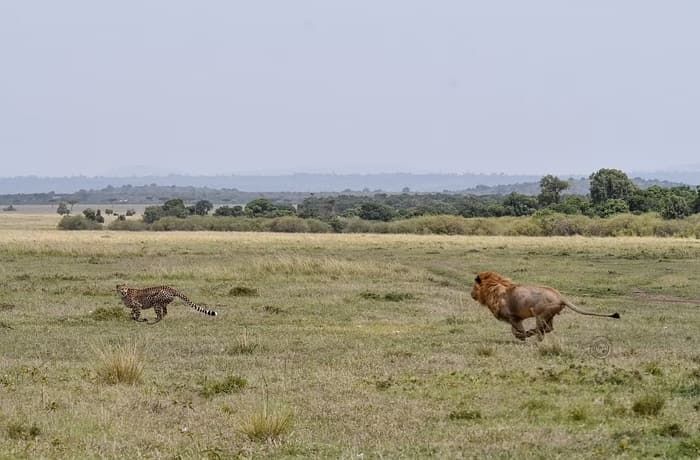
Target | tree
(260,207)
(675,207)
(550,190)
(202,207)
(611,207)
(152,214)
(63,209)
(573,204)
(89,213)
(375,211)
(610,184)
(519,205)
(175,207)
(71,203)
(230,211)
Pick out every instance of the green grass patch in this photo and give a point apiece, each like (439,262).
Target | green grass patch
(389,296)
(230,384)
(243,291)
(649,405)
(22,430)
(109,314)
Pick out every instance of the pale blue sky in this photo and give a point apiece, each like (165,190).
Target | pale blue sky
(222,87)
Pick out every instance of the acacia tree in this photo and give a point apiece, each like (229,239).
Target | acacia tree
(62,209)
(202,207)
(550,190)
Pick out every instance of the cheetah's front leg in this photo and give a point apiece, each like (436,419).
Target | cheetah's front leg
(136,313)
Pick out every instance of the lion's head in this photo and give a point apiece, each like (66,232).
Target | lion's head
(489,288)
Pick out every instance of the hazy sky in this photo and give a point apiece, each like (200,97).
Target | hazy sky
(134,87)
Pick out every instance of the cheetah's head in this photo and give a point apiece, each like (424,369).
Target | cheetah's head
(122,289)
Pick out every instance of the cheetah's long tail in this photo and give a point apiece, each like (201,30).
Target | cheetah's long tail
(194,305)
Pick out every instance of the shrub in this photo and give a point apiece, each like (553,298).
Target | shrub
(228,211)
(78,223)
(318,226)
(675,207)
(579,413)
(289,224)
(129,225)
(611,207)
(650,404)
(20,430)
(672,430)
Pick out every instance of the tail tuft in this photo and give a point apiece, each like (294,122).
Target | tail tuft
(615,315)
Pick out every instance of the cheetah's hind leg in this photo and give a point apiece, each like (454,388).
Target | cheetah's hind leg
(159,309)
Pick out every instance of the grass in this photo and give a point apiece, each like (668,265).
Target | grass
(267,424)
(243,291)
(364,377)
(243,346)
(649,405)
(464,414)
(23,431)
(120,364)
(109,314)
(229,384)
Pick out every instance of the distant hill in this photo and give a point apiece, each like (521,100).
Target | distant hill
(292,188)
(308,183)
(317,183)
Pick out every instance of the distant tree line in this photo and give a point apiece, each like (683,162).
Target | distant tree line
(611,192)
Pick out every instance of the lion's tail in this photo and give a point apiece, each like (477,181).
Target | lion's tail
(577,310)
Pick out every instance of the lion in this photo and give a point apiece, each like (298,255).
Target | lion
(514,303)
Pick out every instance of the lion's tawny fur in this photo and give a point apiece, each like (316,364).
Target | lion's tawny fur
(513,303)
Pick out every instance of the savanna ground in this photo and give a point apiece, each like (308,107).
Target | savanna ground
(371,342)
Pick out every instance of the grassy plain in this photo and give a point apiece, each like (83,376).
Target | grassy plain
(368,345)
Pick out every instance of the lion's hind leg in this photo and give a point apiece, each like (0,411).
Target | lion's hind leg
(518,330)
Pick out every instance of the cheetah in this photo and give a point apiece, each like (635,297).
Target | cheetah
(157,297)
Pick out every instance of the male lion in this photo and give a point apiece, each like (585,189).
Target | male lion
(513,303)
